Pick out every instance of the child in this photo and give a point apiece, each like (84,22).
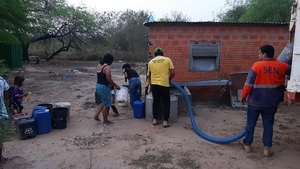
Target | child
(113,97)
(18,95)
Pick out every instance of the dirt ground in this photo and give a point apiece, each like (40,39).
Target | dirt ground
(135,143)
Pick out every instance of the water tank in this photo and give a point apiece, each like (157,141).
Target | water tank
(173,108)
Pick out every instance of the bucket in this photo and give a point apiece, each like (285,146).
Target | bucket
(64,104)
(43,120)
(139,109)
(59,117)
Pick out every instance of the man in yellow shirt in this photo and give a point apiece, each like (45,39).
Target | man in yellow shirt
(160,71)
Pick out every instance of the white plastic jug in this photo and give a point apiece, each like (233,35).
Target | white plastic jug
(122,96)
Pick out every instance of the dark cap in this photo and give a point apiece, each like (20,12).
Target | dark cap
(158,49)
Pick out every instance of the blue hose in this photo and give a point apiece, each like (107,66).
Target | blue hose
(199,132)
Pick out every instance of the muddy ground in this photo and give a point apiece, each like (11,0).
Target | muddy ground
(135,143)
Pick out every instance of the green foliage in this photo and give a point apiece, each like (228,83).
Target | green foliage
(13,15)
(48,28)
(60,24)
(175,16)
(257,11)
(268,11)
(236,8)
(124,35)
(3,67)
(233,15)
(6,37)
(70,27)
(7,131)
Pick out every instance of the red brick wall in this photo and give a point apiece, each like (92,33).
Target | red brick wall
(239,49)
(239,46)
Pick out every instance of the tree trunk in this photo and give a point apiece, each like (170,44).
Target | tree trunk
(63,48)
(25,47)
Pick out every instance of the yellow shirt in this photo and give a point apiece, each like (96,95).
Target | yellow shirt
(159,70)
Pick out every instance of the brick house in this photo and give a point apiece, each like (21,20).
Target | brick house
(204,54)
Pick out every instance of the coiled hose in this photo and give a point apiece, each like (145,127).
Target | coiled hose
(197,130)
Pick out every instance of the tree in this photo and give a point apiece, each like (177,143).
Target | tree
(13,15)
(65,27)
(257,11)
(233,15)
(175,17)
(268,11)
(237,8)
(69,27)
(126,34)
(53,21)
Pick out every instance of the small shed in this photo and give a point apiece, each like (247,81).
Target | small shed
(11,50)
(206,54)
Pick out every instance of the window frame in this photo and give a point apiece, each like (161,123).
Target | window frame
(207,44)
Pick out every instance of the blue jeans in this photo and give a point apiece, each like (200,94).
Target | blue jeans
(267,120)
(135,89)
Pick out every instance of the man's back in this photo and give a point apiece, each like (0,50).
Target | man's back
(267,78)
(159,68)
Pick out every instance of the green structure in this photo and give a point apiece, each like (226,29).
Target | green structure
(10,50)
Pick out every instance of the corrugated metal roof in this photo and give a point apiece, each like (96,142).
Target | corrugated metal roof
(211,23)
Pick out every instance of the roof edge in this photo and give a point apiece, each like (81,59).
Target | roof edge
(210,23)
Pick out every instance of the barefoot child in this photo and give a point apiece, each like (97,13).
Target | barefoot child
(18,95)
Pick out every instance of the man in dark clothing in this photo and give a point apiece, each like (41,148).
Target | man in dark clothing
(263,89)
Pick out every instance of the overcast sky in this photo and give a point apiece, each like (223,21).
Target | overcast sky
(196,10)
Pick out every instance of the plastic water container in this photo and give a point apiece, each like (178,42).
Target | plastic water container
(286,54)
(59,117)
(139,109)
(122,96)
(48,106)
(64,104)
(26,127)
(43,120)
(38,108)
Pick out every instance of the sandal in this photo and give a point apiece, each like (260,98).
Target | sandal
(97,118)
(116,115)
(3,159)
(108,122)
